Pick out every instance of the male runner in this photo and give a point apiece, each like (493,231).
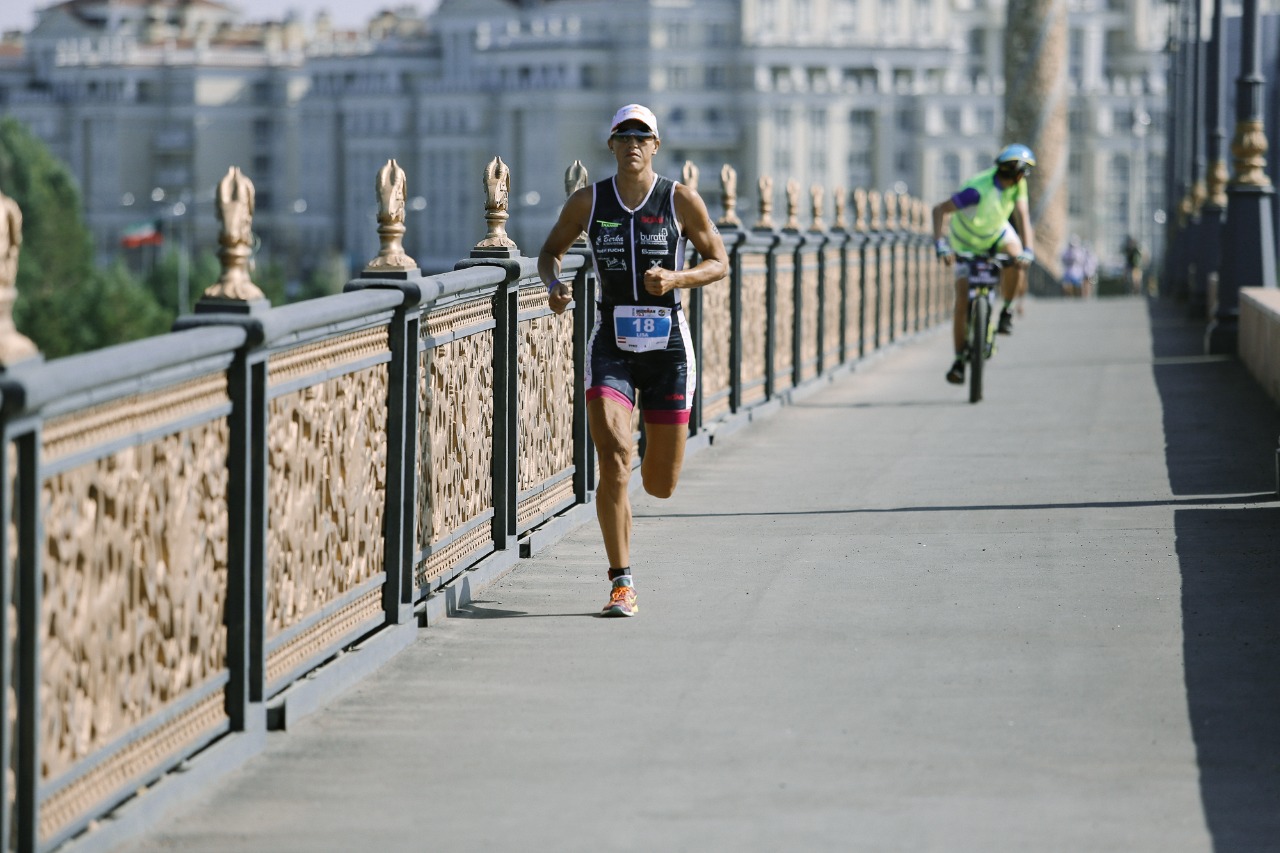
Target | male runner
(979,215)
(637,222)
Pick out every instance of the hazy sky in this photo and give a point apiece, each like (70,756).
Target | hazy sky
(21,15)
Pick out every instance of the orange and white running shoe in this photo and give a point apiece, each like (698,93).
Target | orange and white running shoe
(622,599)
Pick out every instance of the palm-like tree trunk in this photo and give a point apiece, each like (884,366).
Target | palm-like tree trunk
(1035,102)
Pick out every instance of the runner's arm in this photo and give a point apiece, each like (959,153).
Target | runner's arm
(713,263)
(571,224)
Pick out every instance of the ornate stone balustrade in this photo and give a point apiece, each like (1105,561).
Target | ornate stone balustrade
(199,523)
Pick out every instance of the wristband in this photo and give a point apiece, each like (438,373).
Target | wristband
(555,282)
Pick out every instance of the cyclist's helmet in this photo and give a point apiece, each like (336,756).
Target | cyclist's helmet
(1017,155)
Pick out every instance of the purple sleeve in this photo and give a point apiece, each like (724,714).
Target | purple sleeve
(967,197)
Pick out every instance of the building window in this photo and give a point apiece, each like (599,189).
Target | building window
(950,171)
(1076,181)
(1119,184)
(846,17)
(861,173)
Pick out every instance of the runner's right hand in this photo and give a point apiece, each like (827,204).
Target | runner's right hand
(558,297)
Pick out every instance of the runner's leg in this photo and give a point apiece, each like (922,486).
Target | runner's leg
(663,457)
(610,424)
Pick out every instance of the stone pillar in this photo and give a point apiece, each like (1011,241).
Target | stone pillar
(1248,248)
(1035,103)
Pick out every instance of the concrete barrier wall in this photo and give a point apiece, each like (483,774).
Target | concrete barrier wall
(1259,342)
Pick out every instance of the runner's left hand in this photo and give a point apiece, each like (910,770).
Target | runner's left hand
(659,281)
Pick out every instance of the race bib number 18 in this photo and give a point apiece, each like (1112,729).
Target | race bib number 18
(641,329)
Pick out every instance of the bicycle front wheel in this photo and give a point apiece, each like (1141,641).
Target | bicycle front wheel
(980,317)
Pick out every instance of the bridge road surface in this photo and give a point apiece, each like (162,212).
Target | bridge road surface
(881,619)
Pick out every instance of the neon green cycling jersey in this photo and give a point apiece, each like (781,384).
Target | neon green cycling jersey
(982,210)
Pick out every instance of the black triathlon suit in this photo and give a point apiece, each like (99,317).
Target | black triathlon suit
(640,342)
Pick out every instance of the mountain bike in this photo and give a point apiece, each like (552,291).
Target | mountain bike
(980,332)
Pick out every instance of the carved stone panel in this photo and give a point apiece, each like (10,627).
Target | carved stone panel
(716,333)
(326,493)
(831,308)
(809,318)
(455,441)
(135,576)
(546,392)
(755,279)
(784,322)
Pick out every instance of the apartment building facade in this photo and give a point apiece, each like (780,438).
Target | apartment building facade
(901,95)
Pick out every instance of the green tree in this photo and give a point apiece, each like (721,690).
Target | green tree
(65,304)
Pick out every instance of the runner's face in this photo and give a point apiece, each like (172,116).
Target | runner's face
(633,151)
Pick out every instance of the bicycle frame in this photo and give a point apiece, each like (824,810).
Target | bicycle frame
(980,331)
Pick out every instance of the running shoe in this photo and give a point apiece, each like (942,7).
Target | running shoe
(622,599)
(956,374)
(1006,322)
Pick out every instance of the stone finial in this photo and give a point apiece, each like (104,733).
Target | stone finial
(689,175)
(390,187)
(1249,151)
(575,178)
(14,346)
(815,198)
(793,206)
(860,210)
(765,222)
(838,200)
(873,202)
(497,189)
(891,211)
(729,197)
(1218,178)
(235,212)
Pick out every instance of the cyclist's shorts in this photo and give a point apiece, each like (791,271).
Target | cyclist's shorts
(664,378)
(962,269)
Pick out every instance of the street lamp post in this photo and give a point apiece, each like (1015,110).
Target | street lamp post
(1248,247)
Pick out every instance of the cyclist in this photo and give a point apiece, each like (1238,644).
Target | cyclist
(637,222)
(988,214)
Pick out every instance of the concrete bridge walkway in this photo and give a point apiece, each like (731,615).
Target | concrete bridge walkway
(880,619)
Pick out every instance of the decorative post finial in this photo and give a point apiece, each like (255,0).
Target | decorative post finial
(575,178)
(235,212)
(689,175)
(390,187)
(1249,151)
(815,198)
(891,211)
(765,222)
(838,200)
(729,197)
(14,346)
(497,189)
(860,210)
(793,206)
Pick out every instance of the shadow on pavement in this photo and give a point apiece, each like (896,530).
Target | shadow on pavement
(1220,438)
(472,610)
(1214,500)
